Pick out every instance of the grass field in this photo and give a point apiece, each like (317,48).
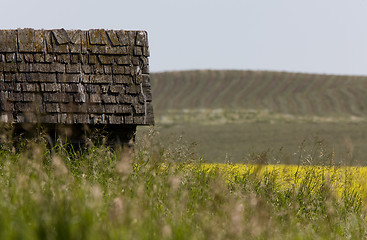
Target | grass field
(231,114)
(266,156)
(169,193)
(238,142)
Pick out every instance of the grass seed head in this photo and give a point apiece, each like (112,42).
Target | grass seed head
(59,166)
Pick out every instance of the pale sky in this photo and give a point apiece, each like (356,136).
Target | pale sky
(313,36)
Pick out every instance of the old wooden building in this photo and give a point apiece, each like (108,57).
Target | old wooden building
(71,82)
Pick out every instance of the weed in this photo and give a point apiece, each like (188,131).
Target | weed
(165,192)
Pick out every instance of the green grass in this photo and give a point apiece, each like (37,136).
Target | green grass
(163,190)
(230,114)
(102,194)
(235,142)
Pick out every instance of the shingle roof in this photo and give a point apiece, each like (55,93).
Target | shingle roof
(73,76)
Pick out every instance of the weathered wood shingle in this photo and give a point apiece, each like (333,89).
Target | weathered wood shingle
(73,76)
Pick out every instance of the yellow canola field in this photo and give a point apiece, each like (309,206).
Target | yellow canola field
(340,180)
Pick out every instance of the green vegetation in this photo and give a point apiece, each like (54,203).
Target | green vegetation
(164,189)
(232,114)
(276,92)
(236,142)
(102,194)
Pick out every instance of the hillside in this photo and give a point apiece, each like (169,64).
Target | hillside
(276,92)
(229,115)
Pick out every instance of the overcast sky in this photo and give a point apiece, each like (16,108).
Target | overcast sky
(314,36)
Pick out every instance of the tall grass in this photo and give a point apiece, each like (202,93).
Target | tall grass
(162,192)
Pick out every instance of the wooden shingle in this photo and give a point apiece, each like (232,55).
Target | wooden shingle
(98,75)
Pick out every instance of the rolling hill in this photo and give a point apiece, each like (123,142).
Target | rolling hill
(276,92)
(233,115)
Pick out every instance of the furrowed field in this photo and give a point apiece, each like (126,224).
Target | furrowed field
(233,155)
(231,114)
